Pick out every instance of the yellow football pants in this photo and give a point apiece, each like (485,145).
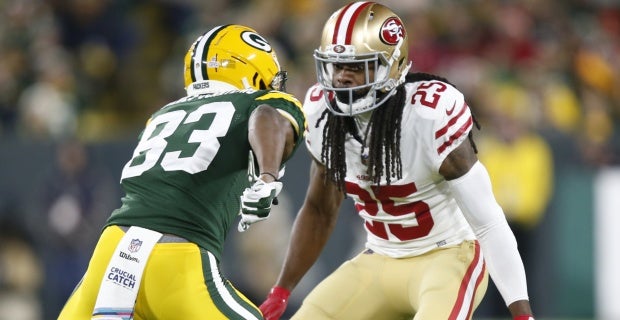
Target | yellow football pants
(180,281)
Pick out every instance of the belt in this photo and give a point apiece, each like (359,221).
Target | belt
(165,238)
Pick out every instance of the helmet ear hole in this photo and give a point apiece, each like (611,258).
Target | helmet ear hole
(262,85)
(256,82)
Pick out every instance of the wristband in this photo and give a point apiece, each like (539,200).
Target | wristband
(524,317)
(269,174)
(280,293)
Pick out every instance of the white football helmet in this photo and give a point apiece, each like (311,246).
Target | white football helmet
(364,33)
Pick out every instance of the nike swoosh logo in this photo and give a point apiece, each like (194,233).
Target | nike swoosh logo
(449,111)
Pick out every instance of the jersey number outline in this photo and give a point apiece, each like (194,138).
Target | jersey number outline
(384,195)
(152,144)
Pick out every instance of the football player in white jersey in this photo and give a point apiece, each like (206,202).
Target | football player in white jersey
(399,144)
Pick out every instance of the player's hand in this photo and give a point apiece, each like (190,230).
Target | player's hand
(256,202)
(524,317)
(276,302)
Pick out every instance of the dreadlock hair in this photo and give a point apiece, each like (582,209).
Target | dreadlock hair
(384,144)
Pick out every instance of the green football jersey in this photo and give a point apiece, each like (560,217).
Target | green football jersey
(190,166)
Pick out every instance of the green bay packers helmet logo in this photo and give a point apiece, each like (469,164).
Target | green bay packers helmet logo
(255,40)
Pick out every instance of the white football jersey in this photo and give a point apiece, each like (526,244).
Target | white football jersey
(416,213)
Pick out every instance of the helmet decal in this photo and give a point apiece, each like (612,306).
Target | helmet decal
(346,21)
(392,31)
(339,48)
(255,40)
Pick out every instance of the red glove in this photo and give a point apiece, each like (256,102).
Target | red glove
(274,306)
(524,317)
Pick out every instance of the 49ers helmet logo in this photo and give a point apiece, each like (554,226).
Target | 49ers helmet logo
(392,31)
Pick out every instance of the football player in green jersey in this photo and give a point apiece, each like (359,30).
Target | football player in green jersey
(187,182)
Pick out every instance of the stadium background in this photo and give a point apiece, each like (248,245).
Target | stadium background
(79,77)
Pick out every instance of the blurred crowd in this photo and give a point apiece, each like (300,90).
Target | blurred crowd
(96,68)
(542,78)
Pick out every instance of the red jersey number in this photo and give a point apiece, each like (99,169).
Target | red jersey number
(317,94)
(384,195)
(428,93)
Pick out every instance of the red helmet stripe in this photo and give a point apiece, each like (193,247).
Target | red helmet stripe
(346,22)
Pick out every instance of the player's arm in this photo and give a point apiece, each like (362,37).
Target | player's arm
(471,187)
(272,139)
(313,225)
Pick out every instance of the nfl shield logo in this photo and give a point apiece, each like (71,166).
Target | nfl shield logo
(135,245)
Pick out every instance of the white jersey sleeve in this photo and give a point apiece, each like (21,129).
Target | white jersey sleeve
(445,120)
(474,194)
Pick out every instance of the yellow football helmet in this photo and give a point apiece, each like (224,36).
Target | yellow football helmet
(234,54)
(369,34)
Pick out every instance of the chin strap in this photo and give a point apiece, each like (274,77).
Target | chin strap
(361,105)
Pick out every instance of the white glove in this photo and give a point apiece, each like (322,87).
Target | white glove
(256,202)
